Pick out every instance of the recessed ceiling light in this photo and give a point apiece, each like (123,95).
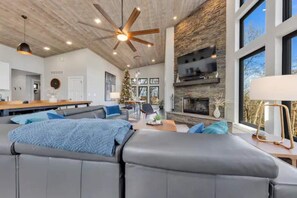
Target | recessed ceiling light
(128,65)
(46,48)
(138,8)
(175,17)
(68,42)
(153,60)
(115,53)
(149,45)
(97,20)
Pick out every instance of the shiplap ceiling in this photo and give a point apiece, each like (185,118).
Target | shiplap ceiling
(53,22)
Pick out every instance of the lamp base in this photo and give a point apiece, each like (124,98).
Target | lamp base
(282,108)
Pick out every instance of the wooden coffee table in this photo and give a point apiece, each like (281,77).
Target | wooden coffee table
(168,125)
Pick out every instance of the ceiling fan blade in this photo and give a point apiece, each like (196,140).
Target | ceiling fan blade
(131,46)
(105,37)
(94,26)
(143,32)
(131,20)
(141,41)
(106,16)
(117,44)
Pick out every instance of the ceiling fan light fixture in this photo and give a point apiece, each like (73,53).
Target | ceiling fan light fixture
(122,37)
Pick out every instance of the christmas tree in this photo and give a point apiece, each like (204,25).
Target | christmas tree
(126,93)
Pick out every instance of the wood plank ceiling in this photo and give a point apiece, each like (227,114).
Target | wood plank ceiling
(53,22)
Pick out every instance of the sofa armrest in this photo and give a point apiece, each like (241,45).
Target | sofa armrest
(198,153)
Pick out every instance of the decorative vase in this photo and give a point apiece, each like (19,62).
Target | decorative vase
(217,112)
(53,99)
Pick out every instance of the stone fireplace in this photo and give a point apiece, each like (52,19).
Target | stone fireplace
(196,105)
(191,35)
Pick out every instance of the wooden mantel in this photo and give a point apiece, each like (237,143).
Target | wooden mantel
(198,82)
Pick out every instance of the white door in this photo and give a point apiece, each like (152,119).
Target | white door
(76,88)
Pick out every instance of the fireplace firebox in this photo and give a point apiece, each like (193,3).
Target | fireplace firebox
(196,105)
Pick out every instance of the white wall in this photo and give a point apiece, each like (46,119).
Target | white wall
(97,66)
(81,63)
(21,62)
(152,71)
(169,69)
(272,40)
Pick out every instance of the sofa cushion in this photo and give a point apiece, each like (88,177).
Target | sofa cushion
(51,152)
(75,111)
(199,153)
(52,116)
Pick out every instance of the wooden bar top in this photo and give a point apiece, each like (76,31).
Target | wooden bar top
(39,103)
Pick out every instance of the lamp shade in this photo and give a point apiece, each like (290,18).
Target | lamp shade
(24,48)
(114,95)
(274,88)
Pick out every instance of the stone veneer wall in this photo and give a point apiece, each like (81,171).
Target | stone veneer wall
(205,27)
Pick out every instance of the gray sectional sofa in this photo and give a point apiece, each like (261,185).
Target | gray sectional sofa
(148,165)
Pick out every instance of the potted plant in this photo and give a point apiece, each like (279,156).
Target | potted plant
(157,119)
(219,101)
(161,105)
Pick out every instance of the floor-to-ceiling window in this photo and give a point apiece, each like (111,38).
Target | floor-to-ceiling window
(290,67)
(252,66)
(289,9)
(253,24)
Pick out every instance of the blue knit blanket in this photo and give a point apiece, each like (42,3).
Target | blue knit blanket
(96,136)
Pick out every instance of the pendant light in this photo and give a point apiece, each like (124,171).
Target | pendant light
(24,48)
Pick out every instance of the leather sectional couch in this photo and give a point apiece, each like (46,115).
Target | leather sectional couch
(149,165)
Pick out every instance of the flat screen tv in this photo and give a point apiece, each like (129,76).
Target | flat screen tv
(197,64)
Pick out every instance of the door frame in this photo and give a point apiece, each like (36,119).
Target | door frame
(82,82)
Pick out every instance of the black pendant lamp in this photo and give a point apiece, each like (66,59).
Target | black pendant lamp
(24,48)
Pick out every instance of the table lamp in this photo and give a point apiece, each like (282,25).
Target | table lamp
(115,95)
(275,88)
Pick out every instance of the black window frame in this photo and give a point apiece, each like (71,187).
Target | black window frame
(241,2)
(287,9)
(241,85)
(241,25)
(287,68)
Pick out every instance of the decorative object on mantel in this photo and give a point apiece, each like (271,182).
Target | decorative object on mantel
(276,88)
(218,101)
(52,94)
(177,78)
(23,47)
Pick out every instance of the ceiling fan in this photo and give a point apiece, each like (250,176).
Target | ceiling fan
(123,33)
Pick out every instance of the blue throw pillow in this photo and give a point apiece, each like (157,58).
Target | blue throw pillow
(113,110)
(217,128)
(24,119)
(33,120)
(198,128)
(52,116)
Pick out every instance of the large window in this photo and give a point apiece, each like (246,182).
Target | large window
(253,24)
(252,66)
(290,8)
(290,67)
